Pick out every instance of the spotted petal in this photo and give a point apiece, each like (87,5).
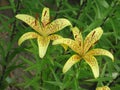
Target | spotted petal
(91,60)
(101,52)
(26,36)
(43,45)
(69,42)
(92,38)
(31,21)
(57,25)
(72,60)
(78,37)
(55,37)
(45,19)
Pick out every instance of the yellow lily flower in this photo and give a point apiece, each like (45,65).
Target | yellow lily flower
(44,29)
(82,49)
(103,88)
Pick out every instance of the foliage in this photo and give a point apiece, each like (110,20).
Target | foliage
(23,69)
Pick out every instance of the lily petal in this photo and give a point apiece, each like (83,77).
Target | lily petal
(103,88)
(43,43)
(28,35)
(78,37)
(57,25)
(92,62)
(31,21)
(69,42)
(55,37)
(45,19)
(92,37)
(101,52)
(72,60)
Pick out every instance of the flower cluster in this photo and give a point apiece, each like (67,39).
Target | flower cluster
(44,32)
(44,29)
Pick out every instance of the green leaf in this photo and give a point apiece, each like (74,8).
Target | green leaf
(11,68)
(100,79)
(29,62)
(6,7)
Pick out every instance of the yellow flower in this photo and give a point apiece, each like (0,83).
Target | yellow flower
(103,88)
(44,29)
(82,49)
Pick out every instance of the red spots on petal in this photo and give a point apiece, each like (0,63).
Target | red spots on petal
(79,43)
(93,33)
(33,35)
(76,36)
(96,42)
(75,58)
(35,22)
(45,13)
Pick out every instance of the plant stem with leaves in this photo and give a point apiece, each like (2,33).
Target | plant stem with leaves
(4,68)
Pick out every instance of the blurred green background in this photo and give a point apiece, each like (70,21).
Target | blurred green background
(22,69)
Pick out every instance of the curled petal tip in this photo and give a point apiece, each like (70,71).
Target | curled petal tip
(43,45)
(64,71)
(113,59)
(99,51)
(17,15)
(19,43)
(71,61)
(41,56)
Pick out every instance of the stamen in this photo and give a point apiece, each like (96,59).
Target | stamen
(36,18)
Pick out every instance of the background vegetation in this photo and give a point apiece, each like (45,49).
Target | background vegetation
(22,69)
